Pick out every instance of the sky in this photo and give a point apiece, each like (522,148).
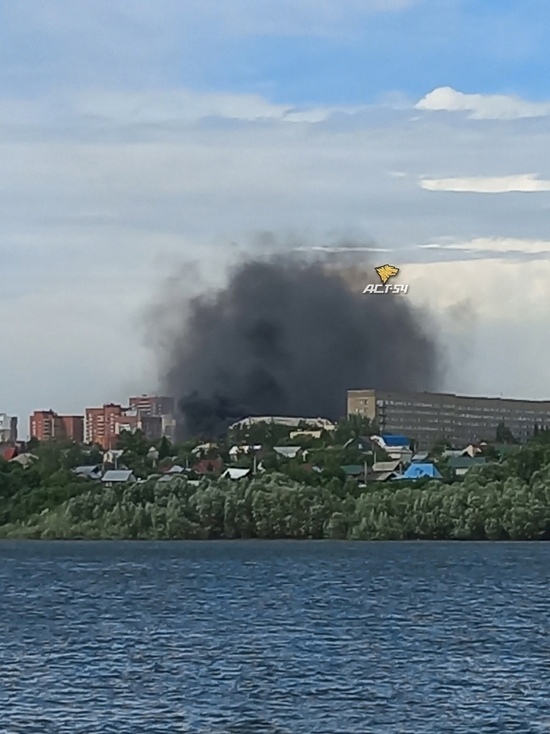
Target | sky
(140,135)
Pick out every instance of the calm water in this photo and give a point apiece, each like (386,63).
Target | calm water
(246,638)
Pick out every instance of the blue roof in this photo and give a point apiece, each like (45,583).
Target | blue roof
(395,440)
(416,471)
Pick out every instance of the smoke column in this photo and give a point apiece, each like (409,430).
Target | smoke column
(290,337)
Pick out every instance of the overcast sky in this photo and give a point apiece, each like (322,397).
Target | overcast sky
(137,134)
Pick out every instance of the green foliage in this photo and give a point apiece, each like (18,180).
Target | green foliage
(505,500)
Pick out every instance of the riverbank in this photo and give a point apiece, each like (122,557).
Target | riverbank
(274,507)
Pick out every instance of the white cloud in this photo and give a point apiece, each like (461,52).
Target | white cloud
(527,183)
(480,106)
(498,245)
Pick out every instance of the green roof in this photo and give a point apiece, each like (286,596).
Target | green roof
(353,469)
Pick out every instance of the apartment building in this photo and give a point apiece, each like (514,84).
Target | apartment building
(152,405)
(47,425)
(8,428)
(100,425)
(104,425)
(429,417)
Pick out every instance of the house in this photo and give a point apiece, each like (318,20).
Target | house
(361,443)
(306,434)
(395,440)
(461,465)
(204,449)
(420,471)
(208,466)
(289,452)
(89,472)
(176,469)
(118,476)
(25,460)
(395,446)
(235,473)
(9,452)
(236,451)
(381,471)
(420,457)
(353,470)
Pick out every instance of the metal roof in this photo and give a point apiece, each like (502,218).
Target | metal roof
(235,473)
(385,466)
(118,475)
(289,451)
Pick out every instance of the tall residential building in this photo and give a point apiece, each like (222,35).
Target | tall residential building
(152,405)
(430,417)
(100,425)
(8,428)
(47,425)
(104,425)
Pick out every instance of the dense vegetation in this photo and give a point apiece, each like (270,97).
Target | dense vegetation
(509,499)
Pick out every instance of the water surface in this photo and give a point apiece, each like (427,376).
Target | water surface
(274,637)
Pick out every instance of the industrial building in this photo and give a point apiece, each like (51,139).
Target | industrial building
(430,417)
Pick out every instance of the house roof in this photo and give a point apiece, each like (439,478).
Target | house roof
(118,475)
(203,447)
(88,471)
(25,459)
(288,451)
(176,469)
(383,466)
(245,449)
(9,453)
(416,471)
(420,456)
(235,473)
(395,440)
(205,466)
(353,470)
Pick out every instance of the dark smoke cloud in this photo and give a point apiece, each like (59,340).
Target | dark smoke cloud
(290,337)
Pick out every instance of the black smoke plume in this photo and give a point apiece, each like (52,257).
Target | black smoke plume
(290,337)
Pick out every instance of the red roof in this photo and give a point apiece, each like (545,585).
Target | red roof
(9,453)
(208,466)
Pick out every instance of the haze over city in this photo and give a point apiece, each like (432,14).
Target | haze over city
(140,137)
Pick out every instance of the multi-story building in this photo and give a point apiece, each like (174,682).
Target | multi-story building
(152,405)
(430,417)
(104,425)
(47,425)
(8,428)
(100,425)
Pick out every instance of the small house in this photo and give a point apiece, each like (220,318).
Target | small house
(420,471)
(234,472)
(118,476)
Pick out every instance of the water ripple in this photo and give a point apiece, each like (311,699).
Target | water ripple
(274,638)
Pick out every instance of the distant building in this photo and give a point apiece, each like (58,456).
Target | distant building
(431,417)
(321,423)
(47,425)
(152,405)
(100,425)
(8,428)
(105,425)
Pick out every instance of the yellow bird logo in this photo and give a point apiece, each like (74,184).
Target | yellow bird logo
(385,272)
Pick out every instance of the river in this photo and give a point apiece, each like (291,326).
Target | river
(274,637)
